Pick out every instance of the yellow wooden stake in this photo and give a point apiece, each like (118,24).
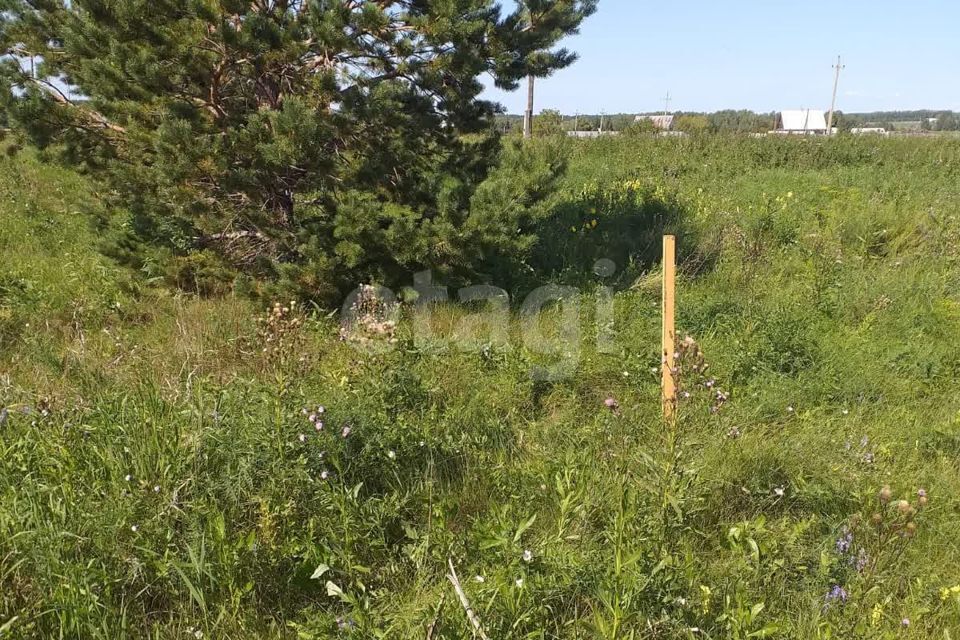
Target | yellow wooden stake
(669,337)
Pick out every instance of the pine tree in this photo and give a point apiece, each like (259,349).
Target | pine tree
(328,140)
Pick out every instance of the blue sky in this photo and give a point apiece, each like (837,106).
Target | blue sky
(764,55)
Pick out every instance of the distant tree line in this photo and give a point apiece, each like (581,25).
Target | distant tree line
(728,121)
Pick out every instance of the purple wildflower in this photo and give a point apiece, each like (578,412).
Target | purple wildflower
(861,560)
(836,594)
(844,542)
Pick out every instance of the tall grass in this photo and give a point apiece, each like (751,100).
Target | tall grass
(159,478)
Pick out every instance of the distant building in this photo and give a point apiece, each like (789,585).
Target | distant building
(591,134)
(661,122)
(801,122)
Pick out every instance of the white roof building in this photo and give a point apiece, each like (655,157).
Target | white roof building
(801,121)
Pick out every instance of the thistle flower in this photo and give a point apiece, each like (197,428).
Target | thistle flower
(905,623)
(611,403)
(885,494)
(904,507)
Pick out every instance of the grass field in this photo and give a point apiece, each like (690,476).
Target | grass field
(159,478)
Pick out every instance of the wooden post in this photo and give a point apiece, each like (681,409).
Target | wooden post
(668,335)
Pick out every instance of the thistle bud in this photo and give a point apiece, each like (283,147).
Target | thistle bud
(885,494)
(904,507)
(876,519)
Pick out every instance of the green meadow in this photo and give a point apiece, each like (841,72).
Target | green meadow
(182,466)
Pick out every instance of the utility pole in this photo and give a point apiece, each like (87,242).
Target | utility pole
(666,105)
(576,121)
(833,103)
(528,116)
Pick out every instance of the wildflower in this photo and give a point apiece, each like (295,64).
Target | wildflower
(861,561)
(479,578)
(903,507)
(392,454)
(611,403)
(156,488)
(302,437)
(846,412)
(312,417)
(734,433)
(779,491)
(128,477)
(836,594)
(527,555)
(135,528)
(868,457)
(922,497)
(946,593)
(518,582)
(844,542)
(905,623)
(876,519)
(910,530)
(321,409)
(345,432)
(318,425)
(885,494)
(790,409)
(324,475)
